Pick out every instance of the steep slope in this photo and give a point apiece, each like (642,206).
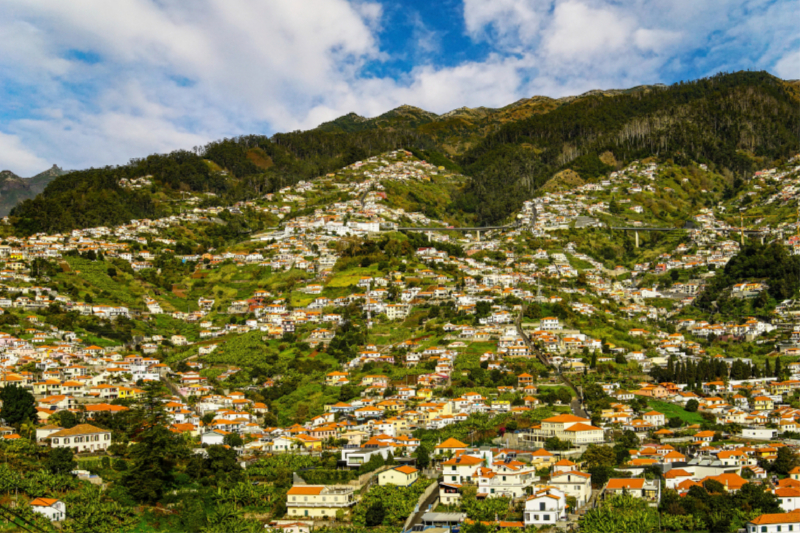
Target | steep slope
(733,122)
(460,129)
(14,189)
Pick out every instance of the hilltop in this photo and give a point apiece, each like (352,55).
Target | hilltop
(734,123)
(14,189)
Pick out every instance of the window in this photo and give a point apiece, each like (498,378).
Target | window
(541,506)
(546,517)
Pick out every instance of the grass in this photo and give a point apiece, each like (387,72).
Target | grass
(670,410)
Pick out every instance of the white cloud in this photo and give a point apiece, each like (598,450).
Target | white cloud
(177,74)
(505,21)
(16,157)
(788,67)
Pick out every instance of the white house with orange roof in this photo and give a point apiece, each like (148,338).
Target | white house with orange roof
(573,483)
(546,507)
(51,508)
(575,429)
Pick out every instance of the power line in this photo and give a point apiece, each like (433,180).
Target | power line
(8,511)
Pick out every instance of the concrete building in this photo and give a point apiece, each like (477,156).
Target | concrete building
(52,509)
(318,501)
(81,438)
(402,476)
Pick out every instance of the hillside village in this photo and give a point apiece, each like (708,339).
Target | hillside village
(442,376)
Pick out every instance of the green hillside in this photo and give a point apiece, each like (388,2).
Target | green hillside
(733,122)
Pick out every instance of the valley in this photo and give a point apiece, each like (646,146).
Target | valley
(564,313)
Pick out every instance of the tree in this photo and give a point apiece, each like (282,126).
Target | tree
(691,406)
(595,456)
(375,514)
(155,455)
(234,440)
(556,444)
(627,442)
(150,473)
(61,461)
(620,513)
(65,419)
(19,405)
(674,422)
(785,461)
(423,457)
(713,486)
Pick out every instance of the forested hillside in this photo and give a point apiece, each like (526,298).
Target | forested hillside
(734,122)
(231,169)
(14,189)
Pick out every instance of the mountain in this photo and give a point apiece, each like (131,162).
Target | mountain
(734,123)
(458,130)
(14,189)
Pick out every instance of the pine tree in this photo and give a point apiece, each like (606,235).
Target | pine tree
(778,367)
(767,369)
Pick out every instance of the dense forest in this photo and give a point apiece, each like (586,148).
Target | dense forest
(233,169)
(734,122)
(730,121)
(770,263)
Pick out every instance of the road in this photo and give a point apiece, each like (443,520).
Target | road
(577,409)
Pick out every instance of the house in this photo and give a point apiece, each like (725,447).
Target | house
(449,493)
(318,501)
(81,438)
(461,468)
(450,445)
(52,509)
(654,418)
(636,487)
(774,523)
(402,476)
(550,324)
(789,498)
(573,483)
(575,429)
(213,438)
(763,403)
(545,507)
(359,456)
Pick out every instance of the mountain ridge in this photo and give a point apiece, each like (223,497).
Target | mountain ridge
(731,122)
(15,189)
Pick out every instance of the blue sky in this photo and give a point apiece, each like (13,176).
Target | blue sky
(92,82)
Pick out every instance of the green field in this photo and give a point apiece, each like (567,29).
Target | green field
(669,410)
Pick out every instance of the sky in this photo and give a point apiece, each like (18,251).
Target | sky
(96,82)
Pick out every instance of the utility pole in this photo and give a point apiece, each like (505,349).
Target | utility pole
(741,228)
(369,308)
